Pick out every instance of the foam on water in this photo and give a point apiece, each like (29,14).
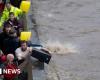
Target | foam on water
(60,48)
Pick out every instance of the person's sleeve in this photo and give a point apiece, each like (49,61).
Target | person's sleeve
(1,52)
(2,19)
(18,55)
(19,24)
(19,12)
(15,44)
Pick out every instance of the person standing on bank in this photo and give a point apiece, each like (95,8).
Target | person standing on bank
(23,51)
(16,24)
(23,55)
(5,34)
(9,8)
(11,43)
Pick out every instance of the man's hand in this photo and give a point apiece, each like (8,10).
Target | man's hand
(30,49)
(45,50)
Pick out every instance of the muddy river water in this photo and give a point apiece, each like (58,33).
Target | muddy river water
(75,24)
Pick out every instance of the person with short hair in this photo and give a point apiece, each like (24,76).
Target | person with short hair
(11,43)
(9,8)
(23,51)
(10,64)
(23,55)
(10,58)
(4,35)
(15,23)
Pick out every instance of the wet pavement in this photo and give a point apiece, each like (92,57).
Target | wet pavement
(75,23)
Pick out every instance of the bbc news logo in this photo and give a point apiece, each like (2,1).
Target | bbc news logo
(10,71)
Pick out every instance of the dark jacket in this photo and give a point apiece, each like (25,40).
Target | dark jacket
(15,22)
(10,45)
(16,25)
(3,36)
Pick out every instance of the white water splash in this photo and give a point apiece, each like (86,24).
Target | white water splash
(60,48)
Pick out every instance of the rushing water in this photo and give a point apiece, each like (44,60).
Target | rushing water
(75,25)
